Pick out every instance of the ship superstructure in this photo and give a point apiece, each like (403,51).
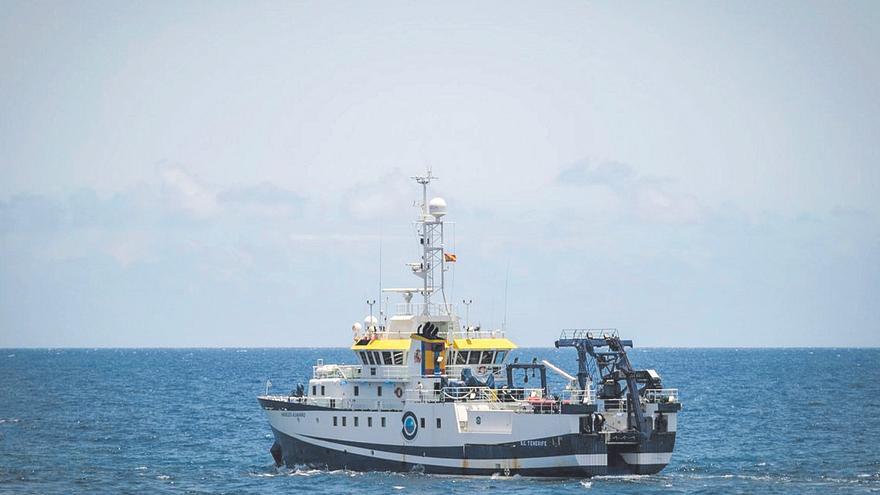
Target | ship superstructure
(432,395)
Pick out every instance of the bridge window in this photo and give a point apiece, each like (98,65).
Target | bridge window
(357,391)
(398,358)
(369,422)
(362,358)
(499,357)
(322,390)
(379,391)
(314,390)
(461,357)
(474,357)
(386,358)
(355,421)
(438,423)
(335,421)
(370,357)
(486,357)
(343,421)
(377,356)
(383,421)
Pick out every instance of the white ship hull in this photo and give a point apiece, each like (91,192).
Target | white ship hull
(487,442)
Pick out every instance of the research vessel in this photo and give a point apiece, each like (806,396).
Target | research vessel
(432,394)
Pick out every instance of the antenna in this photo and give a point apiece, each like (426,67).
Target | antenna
(467,317)
(454,250)
(506,280)
(371,302)
(430,227)
(381,313)
(424,180)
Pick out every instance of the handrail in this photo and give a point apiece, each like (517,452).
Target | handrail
(356,371)
(433,309)
(587,333)
(616,405)
(353,403)
(661,395)
(478,334)
(587,396)
(473,394)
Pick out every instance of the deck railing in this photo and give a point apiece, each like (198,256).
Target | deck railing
(615,405)
(661,395)
(433,309)
(454,370)
(478,334)
(574,396)
(525,400)
(351,371)
(473,394)
(587,333)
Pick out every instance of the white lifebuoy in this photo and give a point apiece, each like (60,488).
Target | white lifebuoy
(398,392)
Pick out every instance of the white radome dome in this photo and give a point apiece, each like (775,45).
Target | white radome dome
(370,321)
(437,207)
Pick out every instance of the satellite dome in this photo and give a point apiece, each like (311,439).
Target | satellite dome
(370,321)
(437,207)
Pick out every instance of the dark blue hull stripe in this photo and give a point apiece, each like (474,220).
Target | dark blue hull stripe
(571,444)
(282,405)
(296,452)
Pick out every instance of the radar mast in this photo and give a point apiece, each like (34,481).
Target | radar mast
(430,231)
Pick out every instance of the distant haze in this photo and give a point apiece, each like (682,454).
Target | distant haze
(223,173)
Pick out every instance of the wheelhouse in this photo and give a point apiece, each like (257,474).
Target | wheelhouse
(379,352)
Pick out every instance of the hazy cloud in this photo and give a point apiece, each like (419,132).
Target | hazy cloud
(263,200)
(380,196)
(619,187)
(262,193)
(613,174)
(188,193)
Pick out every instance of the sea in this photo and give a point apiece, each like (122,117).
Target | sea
(96,421)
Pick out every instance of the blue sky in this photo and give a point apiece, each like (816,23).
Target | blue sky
(223,173)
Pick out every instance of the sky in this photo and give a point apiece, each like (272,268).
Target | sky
(219,174)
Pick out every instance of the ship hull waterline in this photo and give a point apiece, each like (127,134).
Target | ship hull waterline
(574,455)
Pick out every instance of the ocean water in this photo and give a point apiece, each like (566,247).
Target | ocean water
(187,421)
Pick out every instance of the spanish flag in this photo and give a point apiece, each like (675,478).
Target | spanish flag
(449,257)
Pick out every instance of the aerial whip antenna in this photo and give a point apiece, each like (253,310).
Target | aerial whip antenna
(381,312)
(506,280)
